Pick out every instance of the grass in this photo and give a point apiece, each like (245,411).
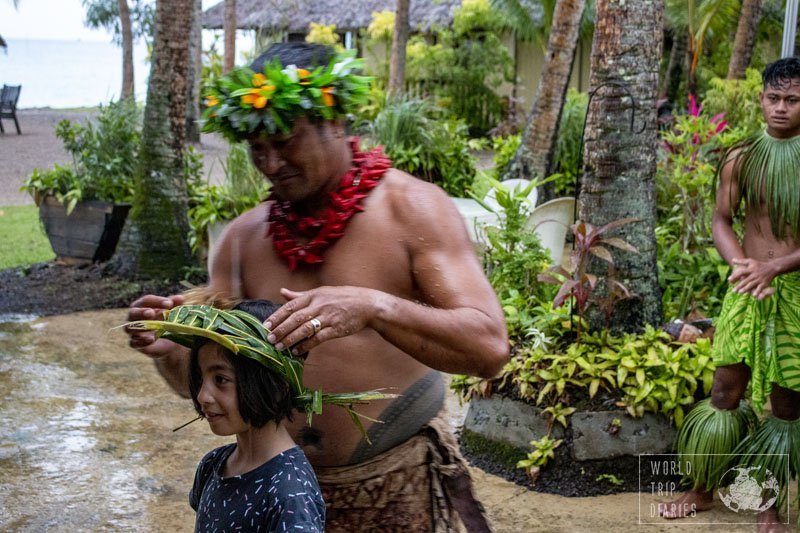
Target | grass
(22,240)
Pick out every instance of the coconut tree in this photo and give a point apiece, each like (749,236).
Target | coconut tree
(699,21)
(127,21)
(745,39)
(229,31)
(155,244)
(534,156)
(620,160)
(195,69)
(397,63)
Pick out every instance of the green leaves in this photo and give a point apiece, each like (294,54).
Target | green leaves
(243,334)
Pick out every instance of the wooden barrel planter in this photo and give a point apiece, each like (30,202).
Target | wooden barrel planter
(88,234)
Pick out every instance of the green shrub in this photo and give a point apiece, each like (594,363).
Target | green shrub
(104,158)
(738,99)
(244,188)
(568,140)
(421,142)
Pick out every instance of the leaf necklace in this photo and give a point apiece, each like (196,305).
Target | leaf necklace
(319,233)
(768,174)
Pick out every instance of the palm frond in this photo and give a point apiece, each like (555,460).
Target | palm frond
(244,335)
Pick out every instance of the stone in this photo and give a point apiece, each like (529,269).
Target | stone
(511,421)
(595,436)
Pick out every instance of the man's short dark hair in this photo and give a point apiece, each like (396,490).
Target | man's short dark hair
(302,55)
(781,72)
(263,395)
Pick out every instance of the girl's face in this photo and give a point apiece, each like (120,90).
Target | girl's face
(217,395)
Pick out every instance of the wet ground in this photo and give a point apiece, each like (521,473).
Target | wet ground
(86,444)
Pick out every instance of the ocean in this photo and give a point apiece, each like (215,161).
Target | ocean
(62,74)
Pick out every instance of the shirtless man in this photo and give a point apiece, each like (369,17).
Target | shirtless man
(397,298)
(758,333)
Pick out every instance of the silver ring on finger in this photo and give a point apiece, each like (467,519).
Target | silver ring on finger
(316,325)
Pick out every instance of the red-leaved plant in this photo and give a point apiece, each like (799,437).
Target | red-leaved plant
(575,280)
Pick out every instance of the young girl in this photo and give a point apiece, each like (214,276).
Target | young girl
(263,482)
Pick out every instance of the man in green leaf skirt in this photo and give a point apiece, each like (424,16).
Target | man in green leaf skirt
(757,340)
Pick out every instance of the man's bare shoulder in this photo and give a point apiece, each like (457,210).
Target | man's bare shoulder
(250,220)
(411,196)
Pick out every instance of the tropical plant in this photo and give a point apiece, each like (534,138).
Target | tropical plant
(324,34)
(543,451)
(693,283)
(463,66)
(243,188)
(575,280)
(738,99)
(639,373)
(514,258)
(422,142)
(104,158)
(686,172)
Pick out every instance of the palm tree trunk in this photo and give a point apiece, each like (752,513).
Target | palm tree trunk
(229,29)
(620,164)
(745,39)
(127,49)
(534,156)
(397,63)
(195,68)
(156,245)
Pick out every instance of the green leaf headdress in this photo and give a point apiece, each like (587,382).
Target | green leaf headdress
(243,334)
(246,103)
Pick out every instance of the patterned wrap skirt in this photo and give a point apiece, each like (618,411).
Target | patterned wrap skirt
(765,335)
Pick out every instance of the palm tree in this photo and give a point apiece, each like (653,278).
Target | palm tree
(745,38)
(397,63)
(534,156)
(127,48)
(229,30)
(195,70)
(700,20)
(156,245)
(3,44)
(620,161)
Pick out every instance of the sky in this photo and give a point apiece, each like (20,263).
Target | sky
(51,19)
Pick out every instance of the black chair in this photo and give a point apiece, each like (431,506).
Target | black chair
(8,105)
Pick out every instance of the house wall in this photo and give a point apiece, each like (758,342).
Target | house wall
(530,61)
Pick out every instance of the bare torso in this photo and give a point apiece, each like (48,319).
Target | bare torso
(377,251)
(760,243)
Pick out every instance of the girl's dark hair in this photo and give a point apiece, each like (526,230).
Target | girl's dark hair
(263,395)
(781,72)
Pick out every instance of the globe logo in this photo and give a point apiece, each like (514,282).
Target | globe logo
(748,489)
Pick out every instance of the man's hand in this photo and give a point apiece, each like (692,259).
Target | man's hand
(341,311)
(753,277)
(151,307)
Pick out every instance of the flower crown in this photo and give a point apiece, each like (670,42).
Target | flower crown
(245,103)
(243,334)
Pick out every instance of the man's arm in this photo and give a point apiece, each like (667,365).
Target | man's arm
(458,326)
(171,359)
(727,197)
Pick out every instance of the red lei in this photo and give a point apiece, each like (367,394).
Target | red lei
(320,233)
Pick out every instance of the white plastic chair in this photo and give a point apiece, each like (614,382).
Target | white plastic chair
(550,221)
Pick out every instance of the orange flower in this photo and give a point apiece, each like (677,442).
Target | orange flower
(303,75)
(259,80)
(258,98)
(327,97)
(211,101)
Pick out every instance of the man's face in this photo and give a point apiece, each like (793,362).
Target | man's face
(781,107)
(302,163)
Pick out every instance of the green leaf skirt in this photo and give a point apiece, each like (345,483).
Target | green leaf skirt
(765,335)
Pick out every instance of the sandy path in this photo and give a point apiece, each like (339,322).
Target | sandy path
(38,147)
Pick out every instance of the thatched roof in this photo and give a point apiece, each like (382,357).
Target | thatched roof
(294,16)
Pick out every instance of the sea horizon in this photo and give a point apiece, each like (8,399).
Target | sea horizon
(67,74)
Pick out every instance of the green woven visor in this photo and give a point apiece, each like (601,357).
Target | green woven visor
(243,334)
